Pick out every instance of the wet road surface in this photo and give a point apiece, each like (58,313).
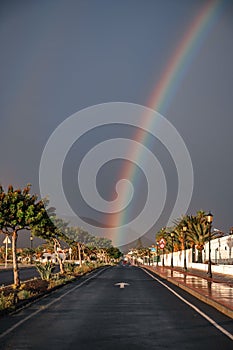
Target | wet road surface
(219,290)
(95,313)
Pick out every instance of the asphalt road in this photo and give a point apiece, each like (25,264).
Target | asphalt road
(93,313)
(6,276)
(25,273)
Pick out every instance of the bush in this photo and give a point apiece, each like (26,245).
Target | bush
(58,280)
(6,301)
(24,294)
(45,270)
(36,286)
(69,268)
(10,296)
(86,267)
(80,270)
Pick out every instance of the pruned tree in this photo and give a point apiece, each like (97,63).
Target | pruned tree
(19,210)
(52,229)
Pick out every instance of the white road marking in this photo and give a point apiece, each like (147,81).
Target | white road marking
(216,325)
(42,308)
(122,284)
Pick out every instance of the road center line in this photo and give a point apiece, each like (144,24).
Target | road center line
(16,325)
(209,319)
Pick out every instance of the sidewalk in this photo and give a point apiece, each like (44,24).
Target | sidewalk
(217,292)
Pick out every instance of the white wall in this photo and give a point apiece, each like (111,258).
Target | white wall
(221,256)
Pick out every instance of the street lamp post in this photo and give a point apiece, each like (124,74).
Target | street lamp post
(31,246)
(209,220)
(163,263)
(157,253)
(184,236)
(31,242)
(172,236)
(6,242)
(149,257)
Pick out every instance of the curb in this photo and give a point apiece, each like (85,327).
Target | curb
(220,307)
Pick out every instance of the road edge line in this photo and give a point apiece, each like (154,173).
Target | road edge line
(209,319)
(218,306)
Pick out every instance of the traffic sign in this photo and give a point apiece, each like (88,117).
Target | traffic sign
(162,243)
(7,240)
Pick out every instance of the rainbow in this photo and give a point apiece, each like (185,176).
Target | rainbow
(183,56)
(169,82)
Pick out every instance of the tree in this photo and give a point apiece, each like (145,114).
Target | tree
(74,236)
(165,233)
(142,253)
(77,234)
(52,230)
(114,253)
(58,235)
(102,242)
(27,254)
(19,210)
(197,233)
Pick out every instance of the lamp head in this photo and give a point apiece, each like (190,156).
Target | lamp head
(209,217)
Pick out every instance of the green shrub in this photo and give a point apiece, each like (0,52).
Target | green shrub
(58,280)
(24,294)
(6,301)
(45,270)
(80,270)
(69,267)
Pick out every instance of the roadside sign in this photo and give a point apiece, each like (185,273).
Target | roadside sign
(162,243)
(7,240)
(153,249)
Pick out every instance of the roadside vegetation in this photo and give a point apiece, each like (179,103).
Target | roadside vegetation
(12,297)
(188,231)
(75,251)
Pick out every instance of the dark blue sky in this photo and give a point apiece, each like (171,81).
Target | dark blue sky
(58,57)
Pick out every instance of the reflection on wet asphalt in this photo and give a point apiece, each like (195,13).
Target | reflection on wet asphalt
(220,292)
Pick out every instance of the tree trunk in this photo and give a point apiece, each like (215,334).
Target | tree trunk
(61,265)
(199,256)
(15,262)
(79,255)
(193,255)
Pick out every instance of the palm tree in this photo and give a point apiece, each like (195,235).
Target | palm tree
(197,235)
(165,233)
(198,232)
